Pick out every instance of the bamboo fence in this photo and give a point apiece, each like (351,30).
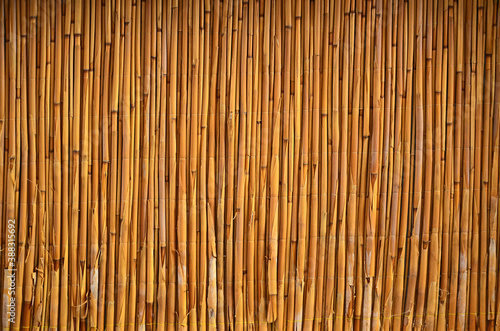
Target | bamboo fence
(249,164)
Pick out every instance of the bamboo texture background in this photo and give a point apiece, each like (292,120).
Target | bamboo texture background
(250,164)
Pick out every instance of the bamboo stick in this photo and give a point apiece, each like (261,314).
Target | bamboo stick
(213,251)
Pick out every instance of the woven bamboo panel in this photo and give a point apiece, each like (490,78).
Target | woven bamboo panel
(249,164)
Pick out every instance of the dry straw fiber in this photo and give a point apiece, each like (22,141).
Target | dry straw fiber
(249,164)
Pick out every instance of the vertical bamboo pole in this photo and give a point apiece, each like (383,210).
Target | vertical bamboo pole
(30,65)
(387,168)
(423,266)
(152,220)
(493,171)
(172,169)
(96,129)
(55,243)
(297,145)
(395,203)
(493,246)
(324,180)
(342,213)
(287,157)
(221,178)
(40,292)
(136,108)
(303,209)
(126,189)
(193,165)
(406,198)
(457,169)
(416,224)
(182,273)
(162,182)
(435,238)
(464,276)
(357,290)
(264,146)
(252,104)
(315,170)
(275,170)
(231,138)
(213,258)
(203,250)
(241,186)
(103,223)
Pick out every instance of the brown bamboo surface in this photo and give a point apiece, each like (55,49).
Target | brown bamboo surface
(249,164)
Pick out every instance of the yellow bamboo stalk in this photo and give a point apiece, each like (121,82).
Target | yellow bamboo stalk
(203,253)
(95,210)
(30,66)
(172,168)
(297,111)
(435,236)
(241,180)
(212,296)
(303,178)
(163,179)
(182,228)
(40,293)
(193,162)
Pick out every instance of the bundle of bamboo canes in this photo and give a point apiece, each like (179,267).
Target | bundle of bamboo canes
(249,164)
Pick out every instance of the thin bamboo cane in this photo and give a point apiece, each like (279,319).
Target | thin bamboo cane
(204,102)
(11,178)
(416,221)
(363,157)
(126,176)
(221,181)
(406,198)
(464,276)
(152,222)
(39,305)
(395,204)
(162,190)
(241,187)
(457,174)
(94,226)
(323,181)
(434,256)
(182,219)
(252,101)
(310,290)
(494,227)
(493,175)
(303,180)
(193,165)
(387,168)
(172,168)
(135,230)
(263,177)
(447,216)
(32,171)
(428,119)
(103,224)
(212,303)
(296,113)
(56,136)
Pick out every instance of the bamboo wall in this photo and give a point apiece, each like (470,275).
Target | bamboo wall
(247,164)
